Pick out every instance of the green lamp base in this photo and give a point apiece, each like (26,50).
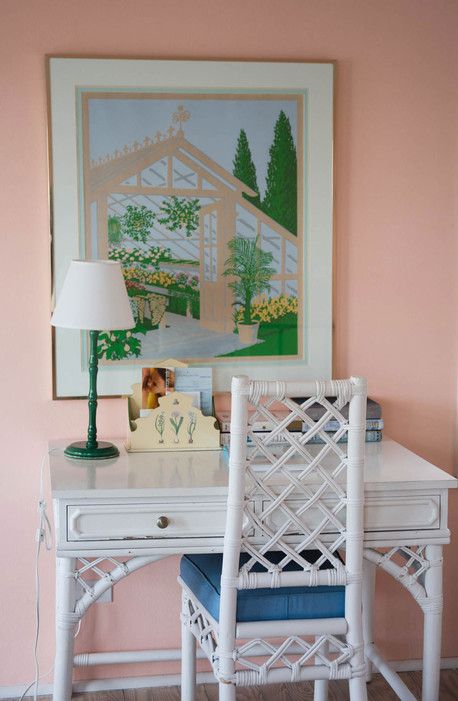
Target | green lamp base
(80,450)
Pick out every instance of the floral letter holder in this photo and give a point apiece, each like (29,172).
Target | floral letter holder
(174,425)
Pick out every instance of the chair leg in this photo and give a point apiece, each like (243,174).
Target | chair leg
(358,690)
(321,686)
(226,692)
(188,662)
(320,692)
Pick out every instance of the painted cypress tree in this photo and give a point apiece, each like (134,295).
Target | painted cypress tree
(280,201)
(244,169)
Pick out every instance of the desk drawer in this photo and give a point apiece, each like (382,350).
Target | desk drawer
(416,512)
(140,521)
(381,513)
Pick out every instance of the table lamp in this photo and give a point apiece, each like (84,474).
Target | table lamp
(93,298)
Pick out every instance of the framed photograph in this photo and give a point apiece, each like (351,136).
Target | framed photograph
(211,183)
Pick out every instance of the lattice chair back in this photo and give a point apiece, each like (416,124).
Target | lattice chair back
(297,493)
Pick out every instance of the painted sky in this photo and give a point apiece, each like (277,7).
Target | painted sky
(213,127)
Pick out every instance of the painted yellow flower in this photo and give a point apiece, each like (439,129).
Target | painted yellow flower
(270,309)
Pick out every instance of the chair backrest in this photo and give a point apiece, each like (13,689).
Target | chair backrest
(294,491)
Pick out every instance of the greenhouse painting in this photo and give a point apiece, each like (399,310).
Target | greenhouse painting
(197,196)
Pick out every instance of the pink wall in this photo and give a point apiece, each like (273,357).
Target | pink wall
(395,309)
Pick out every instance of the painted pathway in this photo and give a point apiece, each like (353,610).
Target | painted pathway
(185,338)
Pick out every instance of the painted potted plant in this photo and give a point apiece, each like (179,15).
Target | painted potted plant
(251,268)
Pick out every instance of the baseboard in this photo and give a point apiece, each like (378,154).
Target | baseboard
(7,692)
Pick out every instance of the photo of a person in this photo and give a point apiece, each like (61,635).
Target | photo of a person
(156,382)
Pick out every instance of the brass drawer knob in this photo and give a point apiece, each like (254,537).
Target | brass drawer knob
(162,522)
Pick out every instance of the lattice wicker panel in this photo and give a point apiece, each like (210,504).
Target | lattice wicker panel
(296,485)
(293,654)
(256,658)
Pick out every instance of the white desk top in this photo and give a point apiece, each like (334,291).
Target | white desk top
(389,466)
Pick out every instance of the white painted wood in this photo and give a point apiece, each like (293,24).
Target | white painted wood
(354,536)
(65,628)
(254,495)
(389,674)
(357,687)
(167,680)
(130,519)
(403,511)
(93,659)
(321,686)
(320,690)
(272,629)
(196,477)
(117,522)
(139,475)
(105,580)
(383,513)
(369,575)
(226,692)
(209,535)
(432,624)
(389,467)
(188,661)
(392,474)
(105,598)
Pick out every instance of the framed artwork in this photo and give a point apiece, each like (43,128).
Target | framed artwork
(211,183)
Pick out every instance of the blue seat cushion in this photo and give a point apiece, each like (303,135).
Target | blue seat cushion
(202,575)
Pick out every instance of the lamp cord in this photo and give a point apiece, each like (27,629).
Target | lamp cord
(43,536)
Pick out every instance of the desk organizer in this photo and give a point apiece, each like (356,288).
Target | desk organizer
(174,425)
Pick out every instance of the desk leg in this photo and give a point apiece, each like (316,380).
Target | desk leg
(66,620)
(188,655)
(432,630)
(369,572)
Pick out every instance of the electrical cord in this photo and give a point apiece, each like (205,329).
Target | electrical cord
(43,536)
(34,682)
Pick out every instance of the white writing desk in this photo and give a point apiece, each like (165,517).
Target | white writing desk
(114,517)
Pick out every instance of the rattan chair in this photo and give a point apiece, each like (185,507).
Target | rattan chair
(283,601)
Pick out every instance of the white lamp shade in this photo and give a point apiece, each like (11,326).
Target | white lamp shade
(93,297)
